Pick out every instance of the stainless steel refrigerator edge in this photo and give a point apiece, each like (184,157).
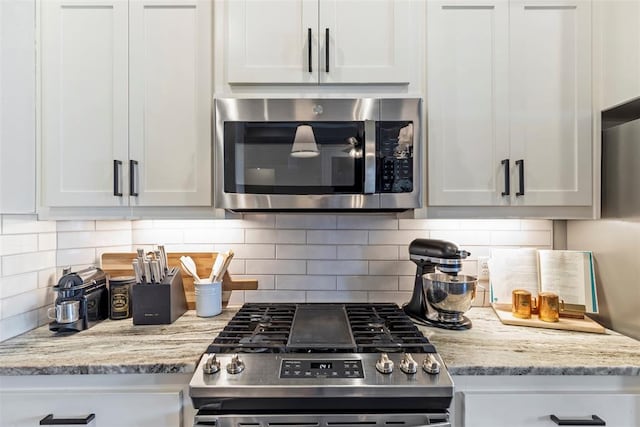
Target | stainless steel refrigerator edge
(367,110)
(615,239)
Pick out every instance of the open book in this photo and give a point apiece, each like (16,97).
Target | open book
(567,273)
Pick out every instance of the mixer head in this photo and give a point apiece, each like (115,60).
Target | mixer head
(430,253)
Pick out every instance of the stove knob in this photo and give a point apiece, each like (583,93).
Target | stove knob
(211,365)
(236,365)
(431,365)
(384,365)
(408,365)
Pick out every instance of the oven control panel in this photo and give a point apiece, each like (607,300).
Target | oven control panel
(310,368)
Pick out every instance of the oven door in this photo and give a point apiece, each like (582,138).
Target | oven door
(324,420)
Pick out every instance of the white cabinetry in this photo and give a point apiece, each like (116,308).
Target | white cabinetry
(509,95)
(126,91)
(115,400)
(318,41)
(530,400)
(617,35)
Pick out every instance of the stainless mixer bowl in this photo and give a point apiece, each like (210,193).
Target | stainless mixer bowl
(449,295)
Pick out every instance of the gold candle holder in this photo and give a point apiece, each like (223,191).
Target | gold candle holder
(521,304)
(549,307)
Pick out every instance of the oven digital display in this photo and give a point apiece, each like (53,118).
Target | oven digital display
(321,365)
(295,368)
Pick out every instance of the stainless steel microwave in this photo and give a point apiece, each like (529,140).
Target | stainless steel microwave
(318,154)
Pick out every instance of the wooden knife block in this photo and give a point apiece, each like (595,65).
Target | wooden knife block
(119,264)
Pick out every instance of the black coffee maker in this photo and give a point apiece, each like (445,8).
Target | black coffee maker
(82,300)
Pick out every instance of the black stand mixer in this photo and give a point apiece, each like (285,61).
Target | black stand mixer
(440,299)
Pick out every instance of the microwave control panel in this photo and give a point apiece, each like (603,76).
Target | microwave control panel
(394,157)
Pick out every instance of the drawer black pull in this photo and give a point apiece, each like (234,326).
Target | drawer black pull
(309,49)
(50,421)
(326,50)
(594,421)
(133,164)
(117,165)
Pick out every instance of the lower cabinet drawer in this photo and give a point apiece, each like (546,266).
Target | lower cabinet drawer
(111,409)
(487,409)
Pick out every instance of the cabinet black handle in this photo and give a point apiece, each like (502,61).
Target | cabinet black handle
(594,421)
(117,165)
(326,49)
(50,421)
(507,184)
(309,49)
(520,164)
(132,177)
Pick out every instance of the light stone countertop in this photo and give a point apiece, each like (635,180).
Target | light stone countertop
(489,348)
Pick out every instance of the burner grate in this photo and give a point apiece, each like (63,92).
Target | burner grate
(260,328)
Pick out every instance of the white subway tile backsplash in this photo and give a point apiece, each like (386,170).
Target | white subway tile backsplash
(14,285)
(18,244)
(113,238)
(307,222)
(536,224)
(274,296)
(24,263)
(463,238)
(521,238)
(258,221)
(403,237)
(490,224)
(77,239)
(142,224)
(74,257)
(364,222)
(22,224)
(248,251)
(373,252)
(406,283)
(232,235)
(306,283)
(276,267)
(47,241)
(236,299)
(305,252)
(337,296)
(76,226)
(337,237)
(155,237)
(111,249)
(276,236)
(429,224)
(113,225)
(26,301)
(391,268)
(19,324)
(394,297)
(368,283)
(337,267)
(183,247)
(47,278)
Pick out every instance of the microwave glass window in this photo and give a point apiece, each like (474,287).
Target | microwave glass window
(394,157)
(293,157)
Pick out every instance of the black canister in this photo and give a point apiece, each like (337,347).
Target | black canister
(120,297)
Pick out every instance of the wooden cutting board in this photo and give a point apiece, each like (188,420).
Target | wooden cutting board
(503,311)
(119,264)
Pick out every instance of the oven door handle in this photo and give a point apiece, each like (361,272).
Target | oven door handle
(205,420)
(369,156)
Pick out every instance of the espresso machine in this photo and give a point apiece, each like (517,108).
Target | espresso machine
(82,300)
(440,298)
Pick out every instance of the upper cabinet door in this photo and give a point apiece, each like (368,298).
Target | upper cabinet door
(170,102)
(551,102)
(84,102)
(272,41)
(365,41)
(468,102)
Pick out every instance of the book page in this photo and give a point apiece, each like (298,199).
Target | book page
(570,275)
(511,269)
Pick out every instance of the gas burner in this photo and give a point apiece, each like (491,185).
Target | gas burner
(266,328)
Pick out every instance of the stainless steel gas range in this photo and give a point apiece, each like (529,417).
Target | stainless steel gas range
(321,365)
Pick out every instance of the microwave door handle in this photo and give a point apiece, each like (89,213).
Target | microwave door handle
(369,156)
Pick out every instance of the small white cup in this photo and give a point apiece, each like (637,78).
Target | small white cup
(208,299)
